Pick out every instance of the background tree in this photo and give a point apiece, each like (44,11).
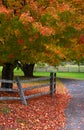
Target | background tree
(39,30)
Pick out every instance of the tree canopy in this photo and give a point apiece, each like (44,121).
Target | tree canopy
(37,30)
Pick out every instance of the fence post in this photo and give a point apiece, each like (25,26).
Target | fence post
(22,96)
(51,83)
(54,82)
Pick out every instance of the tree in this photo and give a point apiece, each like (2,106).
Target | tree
(26,68)
(39,30)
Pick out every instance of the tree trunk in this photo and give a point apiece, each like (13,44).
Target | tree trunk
(28,70)
(7,73)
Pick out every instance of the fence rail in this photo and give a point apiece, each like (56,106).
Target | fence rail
(69,68)
(51,85)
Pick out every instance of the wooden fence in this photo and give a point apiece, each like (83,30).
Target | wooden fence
(66,68)
(51,85)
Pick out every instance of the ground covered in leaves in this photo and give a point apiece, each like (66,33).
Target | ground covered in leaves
(42,113)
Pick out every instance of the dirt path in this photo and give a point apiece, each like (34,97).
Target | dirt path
(75,110)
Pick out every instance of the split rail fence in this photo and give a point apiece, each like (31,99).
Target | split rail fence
(51,85)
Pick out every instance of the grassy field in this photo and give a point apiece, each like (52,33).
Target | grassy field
(16,72)
(74,75)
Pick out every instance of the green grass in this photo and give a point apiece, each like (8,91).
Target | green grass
(74,75)
(41,73)
(5,110)
(18,72)
(0,69)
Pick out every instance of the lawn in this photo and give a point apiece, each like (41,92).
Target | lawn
(16,72)
(74,75)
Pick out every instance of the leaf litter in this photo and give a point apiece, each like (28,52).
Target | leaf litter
(42,113)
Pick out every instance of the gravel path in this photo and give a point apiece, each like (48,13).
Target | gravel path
(75,110)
